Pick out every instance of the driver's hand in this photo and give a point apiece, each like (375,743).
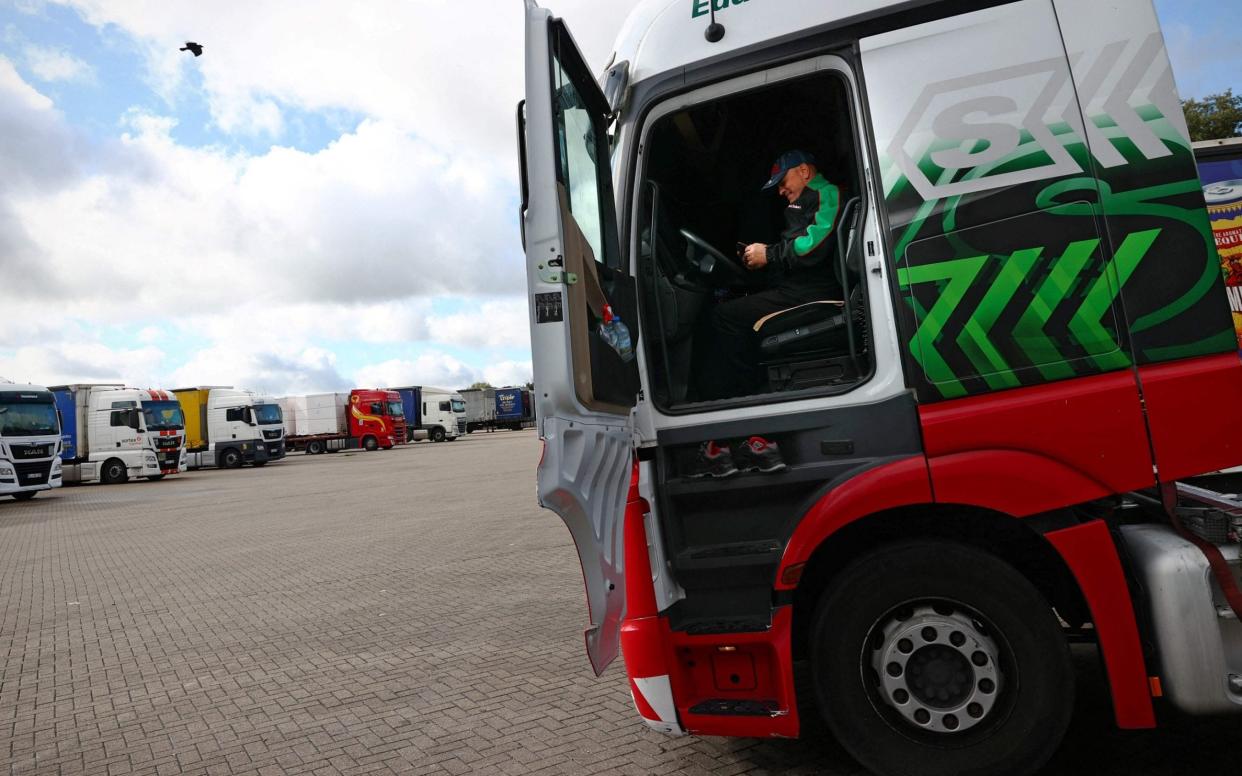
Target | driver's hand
(756,256)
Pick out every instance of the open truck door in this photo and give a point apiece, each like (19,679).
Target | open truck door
(583,316)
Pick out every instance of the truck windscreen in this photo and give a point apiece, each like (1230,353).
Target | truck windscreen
(163,415)
(459,406)
(396,409)
(27,418)
(268,414)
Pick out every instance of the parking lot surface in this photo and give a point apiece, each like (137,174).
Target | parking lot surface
(408,611)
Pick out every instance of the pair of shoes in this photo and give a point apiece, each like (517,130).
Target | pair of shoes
(753,455)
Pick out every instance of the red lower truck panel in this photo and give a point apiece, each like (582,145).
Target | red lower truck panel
(1192,407)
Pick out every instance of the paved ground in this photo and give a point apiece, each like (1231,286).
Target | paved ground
(406,611)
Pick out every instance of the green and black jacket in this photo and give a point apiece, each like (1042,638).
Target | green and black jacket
(801,256)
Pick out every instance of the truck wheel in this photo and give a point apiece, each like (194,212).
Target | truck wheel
(370,444)
(314,448)
(114,472)
(437,434)
(937,659)
(25,495)
(231,459)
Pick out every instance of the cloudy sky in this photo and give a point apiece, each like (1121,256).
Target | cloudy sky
(327,198)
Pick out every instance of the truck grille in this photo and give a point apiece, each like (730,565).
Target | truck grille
(26,452)
(33,473)
(461,425)
(271,435)
(167,442)
(168,460)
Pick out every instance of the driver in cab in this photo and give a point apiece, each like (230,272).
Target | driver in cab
(796,267)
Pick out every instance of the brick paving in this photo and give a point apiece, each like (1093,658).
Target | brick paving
(408,611)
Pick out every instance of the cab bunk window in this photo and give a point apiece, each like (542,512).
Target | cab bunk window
(729,323)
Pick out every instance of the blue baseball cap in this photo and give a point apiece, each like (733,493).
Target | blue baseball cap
(786,162)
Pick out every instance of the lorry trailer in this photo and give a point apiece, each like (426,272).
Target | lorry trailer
(367,419)
(229,428)
(480,412)
(438,414)
(514,408)
(29,441)
(111,433)
(983,438)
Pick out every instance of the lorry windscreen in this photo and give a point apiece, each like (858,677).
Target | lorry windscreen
(396,409)
(268,414)
(27,418)
(459,406)
(163,415)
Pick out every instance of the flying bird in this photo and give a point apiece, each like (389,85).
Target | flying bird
(193,48)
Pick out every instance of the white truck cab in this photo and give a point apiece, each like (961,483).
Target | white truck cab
(441,414)
(229,428)
(29,441)
(113,433)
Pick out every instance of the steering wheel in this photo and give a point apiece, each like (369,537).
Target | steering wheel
(714,258)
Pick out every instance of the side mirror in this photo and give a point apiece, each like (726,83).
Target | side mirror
(134,420)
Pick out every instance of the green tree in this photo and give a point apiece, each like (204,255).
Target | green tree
(1215,116)
(481,386)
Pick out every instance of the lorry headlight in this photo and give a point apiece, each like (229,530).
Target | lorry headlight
(6,471)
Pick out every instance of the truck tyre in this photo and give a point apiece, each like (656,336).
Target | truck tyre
(231,459)
(314,447)
(370,444)
(114,472)
(437,434)
(25,495)
(937,659)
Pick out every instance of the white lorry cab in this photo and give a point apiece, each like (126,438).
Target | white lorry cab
(29,441)
(112,433)
(228,428)
(915,476)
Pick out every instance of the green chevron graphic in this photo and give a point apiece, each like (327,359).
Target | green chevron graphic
(985,345)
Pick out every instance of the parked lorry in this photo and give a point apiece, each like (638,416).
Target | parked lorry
(493,408)
(327,422)
(29,441)
(985,429)
(228,428)
(438,414)
(480,412)
(514,408)
(111,433)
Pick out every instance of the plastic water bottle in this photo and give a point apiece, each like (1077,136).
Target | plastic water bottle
(617,335)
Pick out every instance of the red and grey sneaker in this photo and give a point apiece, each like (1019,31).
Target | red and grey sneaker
(759,455)
(712,461)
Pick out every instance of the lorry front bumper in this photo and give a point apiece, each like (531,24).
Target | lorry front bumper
(275,450)
(28,476)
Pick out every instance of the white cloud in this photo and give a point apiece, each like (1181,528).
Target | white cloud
(442,370)
(283,371)
(50,64)
(496,324)
(83,362)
